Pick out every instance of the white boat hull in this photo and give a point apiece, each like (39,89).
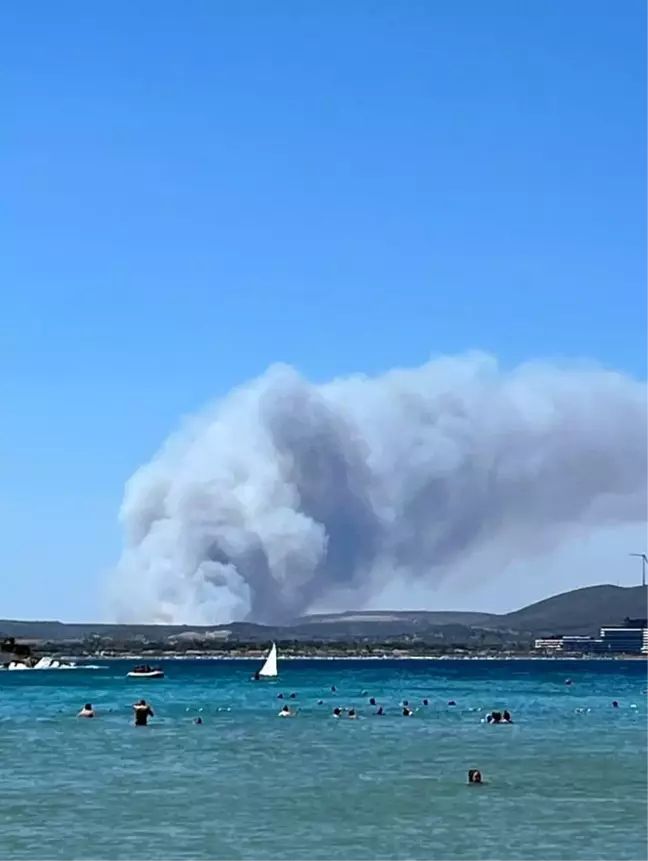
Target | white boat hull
(154,674)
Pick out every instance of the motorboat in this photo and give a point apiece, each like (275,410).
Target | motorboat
(45,663)
(146,672)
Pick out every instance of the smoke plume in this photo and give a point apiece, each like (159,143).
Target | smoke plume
(286,495)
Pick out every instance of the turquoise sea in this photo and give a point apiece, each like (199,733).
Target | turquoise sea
(561,783)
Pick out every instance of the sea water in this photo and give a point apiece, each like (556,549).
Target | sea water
(567,780)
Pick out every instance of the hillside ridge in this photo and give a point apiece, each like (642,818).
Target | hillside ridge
(578,611)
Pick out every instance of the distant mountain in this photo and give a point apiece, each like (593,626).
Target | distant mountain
(581,611)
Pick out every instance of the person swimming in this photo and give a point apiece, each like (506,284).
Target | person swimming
(198,720)
(372,701)
(474,775)
(143,712)
(615,704)
(380,711)
(337,712)
(507,717)
(352,714)
(293,696)
(407,712)
(87,711)
(286,712)
(451,703)
(425,702)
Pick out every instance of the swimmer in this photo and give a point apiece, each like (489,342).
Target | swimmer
(507,717)
(352,714)
(380,711)
(372,701)
(407,712)
(615,704)
(474,775)
(568,682)
(286,712)
(451,703)
(405,702)
(198,720)
(333,688)
(293,696)
(87,711)
(337,712)
(280,696)
(320,702)
(425,702)
(143,712)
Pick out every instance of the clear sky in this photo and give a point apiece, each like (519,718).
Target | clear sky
(192,191)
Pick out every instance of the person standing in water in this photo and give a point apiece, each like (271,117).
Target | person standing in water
(143,712)
(87,711)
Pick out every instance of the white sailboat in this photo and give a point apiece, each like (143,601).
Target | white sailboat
(269,669)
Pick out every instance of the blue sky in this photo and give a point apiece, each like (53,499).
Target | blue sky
(194,191)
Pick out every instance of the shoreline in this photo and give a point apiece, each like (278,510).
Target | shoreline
(379,658)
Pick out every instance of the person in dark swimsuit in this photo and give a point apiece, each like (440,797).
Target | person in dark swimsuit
(143,712)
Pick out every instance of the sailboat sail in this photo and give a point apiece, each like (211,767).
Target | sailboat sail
(270,666)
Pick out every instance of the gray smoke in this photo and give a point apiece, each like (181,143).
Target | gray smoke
(286,495)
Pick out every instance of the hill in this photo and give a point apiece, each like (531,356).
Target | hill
(581,611)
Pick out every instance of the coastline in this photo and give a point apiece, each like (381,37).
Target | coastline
(207,656)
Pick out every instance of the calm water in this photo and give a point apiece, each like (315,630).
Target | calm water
(245,784)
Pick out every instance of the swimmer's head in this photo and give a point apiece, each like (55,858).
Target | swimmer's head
(425,702)
(87,707)
(474,776)
(372,701)
(615,704)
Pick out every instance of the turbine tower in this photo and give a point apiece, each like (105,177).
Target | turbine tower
(644,562)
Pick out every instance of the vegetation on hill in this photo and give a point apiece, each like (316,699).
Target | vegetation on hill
(581,611)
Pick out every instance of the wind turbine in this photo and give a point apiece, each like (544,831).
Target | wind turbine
(644,562)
